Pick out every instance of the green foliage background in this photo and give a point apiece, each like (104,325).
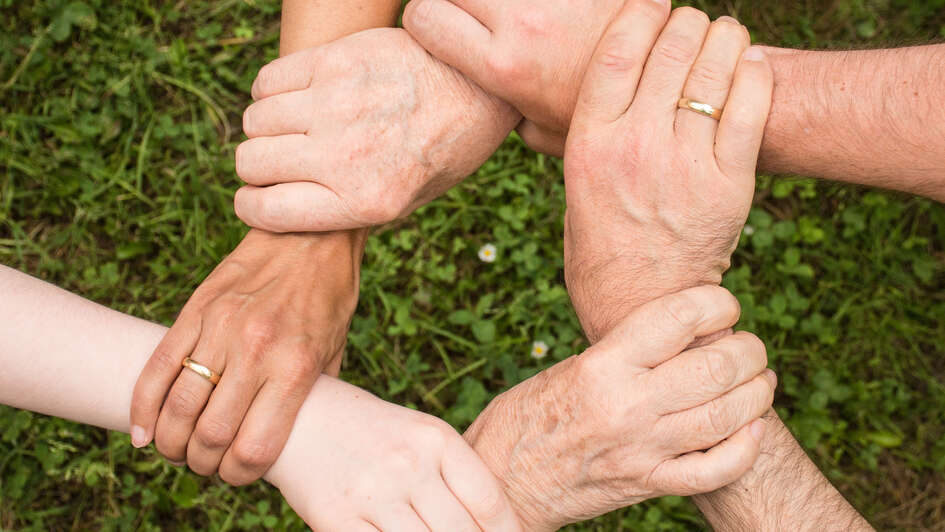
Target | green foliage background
(118,122)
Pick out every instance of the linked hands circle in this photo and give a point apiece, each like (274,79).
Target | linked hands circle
(701,108)
(201,370)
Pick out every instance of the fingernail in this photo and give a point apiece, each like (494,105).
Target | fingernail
(139,436)
(728,19)
(177,464)
(754,53)
(757,429)
(772,377)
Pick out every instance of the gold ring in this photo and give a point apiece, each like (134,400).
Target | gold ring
(701,108)
(201,370)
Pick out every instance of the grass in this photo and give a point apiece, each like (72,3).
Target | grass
(117,127)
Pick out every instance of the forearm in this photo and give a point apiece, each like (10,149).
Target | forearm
(870,117)
(307,23)
(65,356)
(783,491)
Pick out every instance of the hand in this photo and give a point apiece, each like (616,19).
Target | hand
(657,196)
(530,53)
(355,463)
(360,132)
(270,318)
(628,419)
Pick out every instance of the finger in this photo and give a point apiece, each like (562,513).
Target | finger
(440,510)
(541,139)
(718,419)
(477,488)
(264,431)
(662,328)
(615,68)
(700,375)
(185,402)
(452,35)
(220,421)
(264,161)
(742,127)
(158,375)
(294,207)
(281,114)
(296,71)
(668,66)
(399,518)
(702,472)
(710,80)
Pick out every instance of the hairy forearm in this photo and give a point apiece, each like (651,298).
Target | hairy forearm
(870,117)
(783,491)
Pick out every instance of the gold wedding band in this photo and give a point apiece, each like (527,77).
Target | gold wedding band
(701,108)
(201,370)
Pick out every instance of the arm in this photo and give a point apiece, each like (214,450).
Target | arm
(784,490)
(680,208)
(271,317)
(870,117)
(379,466)
(867,117)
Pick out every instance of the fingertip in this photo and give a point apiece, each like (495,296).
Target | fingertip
(754,53)
(140,436)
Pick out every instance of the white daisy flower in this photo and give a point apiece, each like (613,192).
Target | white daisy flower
(539,350)
(748,230)
(487,253)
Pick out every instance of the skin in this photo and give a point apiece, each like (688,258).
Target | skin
(783,475)
(318,159)
(379,466)
(657,203)
(595,433)
(271,317)
(870,117)
(384,467)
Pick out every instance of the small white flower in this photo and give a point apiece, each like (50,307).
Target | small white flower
(487,253)
(748,230)
(539,350)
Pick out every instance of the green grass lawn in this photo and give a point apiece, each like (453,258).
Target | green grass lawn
(118,122)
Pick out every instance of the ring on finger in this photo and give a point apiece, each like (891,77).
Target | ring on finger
(701,108)
(201,370)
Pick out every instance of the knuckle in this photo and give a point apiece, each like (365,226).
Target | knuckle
(532,23)
(691,481)
(166,359)
(507,67)
(710,74)
(184,402)
(676,49)
(691,16)
(432,436)
(265,80)
(489,505)
(617,54)
(257,333)
(302,368)
(721,368)
(213,433)
(385,207)
(720,422)
(683,310)
(254,455)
